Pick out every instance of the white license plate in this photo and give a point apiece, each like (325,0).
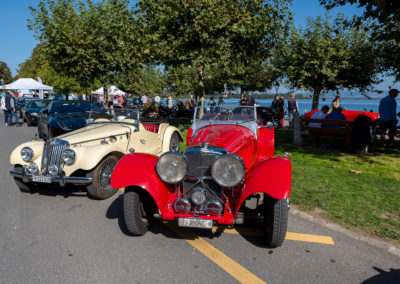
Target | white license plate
(195,223)
(41,179)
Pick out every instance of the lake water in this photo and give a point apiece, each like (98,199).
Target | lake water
(305,105)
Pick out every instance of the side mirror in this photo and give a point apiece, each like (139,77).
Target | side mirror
(181,127)
(269,125)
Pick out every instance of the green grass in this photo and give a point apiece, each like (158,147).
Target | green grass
(323,183)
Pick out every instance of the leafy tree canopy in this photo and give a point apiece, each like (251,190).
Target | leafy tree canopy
(87,40)
(210,34)
(329,54)
(5,73)
(386,26)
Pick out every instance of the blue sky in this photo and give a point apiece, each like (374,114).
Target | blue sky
(18,42)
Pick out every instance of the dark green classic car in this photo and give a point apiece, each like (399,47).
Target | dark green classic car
(31,110)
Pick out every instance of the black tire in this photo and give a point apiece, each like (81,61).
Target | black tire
(275,221)
(174,142)
(135,222)
(100,188)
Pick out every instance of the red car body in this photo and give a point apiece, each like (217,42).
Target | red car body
(254,145)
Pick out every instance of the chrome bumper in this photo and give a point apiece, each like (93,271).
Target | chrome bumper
(62,180)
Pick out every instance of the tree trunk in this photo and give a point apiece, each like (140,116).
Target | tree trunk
(315,99)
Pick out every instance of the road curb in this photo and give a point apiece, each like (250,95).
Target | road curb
(335,227)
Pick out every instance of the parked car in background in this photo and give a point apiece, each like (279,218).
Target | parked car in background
(88,155)
(229,161)
(31,109)
(350,115)
(21,102)
(63,116)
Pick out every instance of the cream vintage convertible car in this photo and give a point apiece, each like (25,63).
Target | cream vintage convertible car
(88,155)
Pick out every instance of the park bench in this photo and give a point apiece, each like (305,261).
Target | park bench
(302,129)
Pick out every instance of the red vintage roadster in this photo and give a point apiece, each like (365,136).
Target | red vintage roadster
(229,160)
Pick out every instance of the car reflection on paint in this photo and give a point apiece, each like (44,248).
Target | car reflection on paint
(229,159)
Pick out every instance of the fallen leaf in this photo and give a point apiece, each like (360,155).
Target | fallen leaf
(336,167)
(355,172)
(326,181)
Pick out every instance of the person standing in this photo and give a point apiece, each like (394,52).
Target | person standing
(5,110)
(387,116)
(101,100)
(220,102)
(169,102)
(251,99)
(335,104)
(193,102)
(292,107)
(13,103)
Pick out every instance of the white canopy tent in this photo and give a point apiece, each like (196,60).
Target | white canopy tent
(112,91)
(27,84)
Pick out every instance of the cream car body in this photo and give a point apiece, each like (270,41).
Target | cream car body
(92,144)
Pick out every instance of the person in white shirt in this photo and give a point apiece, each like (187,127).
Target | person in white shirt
(144,99)
(319,115)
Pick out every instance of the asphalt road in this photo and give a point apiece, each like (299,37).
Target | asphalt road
(61,236)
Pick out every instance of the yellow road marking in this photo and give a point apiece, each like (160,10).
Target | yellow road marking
(289,235)
(222,260)
(310,238)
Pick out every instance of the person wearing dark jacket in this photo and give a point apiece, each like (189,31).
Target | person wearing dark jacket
(292,107)
(9,108)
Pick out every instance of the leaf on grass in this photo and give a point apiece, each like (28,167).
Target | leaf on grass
(356,172)
(326,181)
(336,167)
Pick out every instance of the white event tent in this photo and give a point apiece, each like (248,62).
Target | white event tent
(26,84)
(112,91)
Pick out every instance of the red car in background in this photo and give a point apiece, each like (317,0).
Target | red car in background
(229,161)
(350,115)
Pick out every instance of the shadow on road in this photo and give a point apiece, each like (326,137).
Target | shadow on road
(386,277)
(171,230)
(64,191)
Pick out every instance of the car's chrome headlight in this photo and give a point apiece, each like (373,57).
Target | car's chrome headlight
(171,167)
(228,170)
(32,168)
(26,154)
(68,156)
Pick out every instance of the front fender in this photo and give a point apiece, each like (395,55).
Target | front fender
(272,176)
(36,146)
(139,170)
(167,137)
(88,157)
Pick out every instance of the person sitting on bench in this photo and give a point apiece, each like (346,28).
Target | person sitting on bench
(319,115)
(335,115)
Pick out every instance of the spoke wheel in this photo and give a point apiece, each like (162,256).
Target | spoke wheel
(101,188)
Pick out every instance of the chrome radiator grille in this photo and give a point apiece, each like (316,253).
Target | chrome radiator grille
(199,175)
(199,163)
(52,153)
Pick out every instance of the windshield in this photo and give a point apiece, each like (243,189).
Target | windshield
(117,115)
(38,104)
(23,100)
(227,114)
(68,107)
